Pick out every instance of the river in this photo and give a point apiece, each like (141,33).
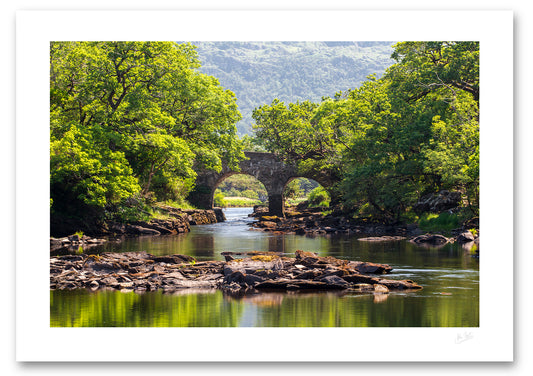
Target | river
(449,276)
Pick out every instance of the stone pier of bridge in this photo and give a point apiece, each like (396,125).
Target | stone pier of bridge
(265,167)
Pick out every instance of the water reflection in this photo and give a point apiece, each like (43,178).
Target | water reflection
(449,275)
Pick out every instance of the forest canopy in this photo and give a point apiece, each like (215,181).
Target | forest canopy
(389,142)
(130,120)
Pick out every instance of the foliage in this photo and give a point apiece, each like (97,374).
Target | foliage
(319,197)
(84,169)
(293,132)
(298,190)
(240,202)
(392,140)
(129,118)
(251,144)
(242,185)
(441,222)
(182,204)
(292,190)
(219,200)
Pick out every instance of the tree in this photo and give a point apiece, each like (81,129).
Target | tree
(85,170)
(423,67)
(147,110)
(295,133)
(390,141)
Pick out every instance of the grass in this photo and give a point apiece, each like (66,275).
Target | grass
(183,204)
(295,201)
(439,222)
(234,202)
(156,214)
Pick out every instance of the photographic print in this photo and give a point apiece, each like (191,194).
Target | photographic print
(206,184)
(347,195)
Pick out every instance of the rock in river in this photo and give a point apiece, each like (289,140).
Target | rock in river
(260,272)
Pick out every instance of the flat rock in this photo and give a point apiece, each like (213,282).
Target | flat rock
(382,238)
(145,272)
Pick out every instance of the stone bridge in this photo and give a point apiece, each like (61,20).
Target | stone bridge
(265,167)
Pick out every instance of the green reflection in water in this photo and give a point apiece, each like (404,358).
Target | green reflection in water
(449,275)
(82,308)
(155,309)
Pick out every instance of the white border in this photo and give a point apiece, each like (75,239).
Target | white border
(36,341)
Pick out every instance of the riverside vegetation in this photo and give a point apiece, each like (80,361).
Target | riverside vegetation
(132,122)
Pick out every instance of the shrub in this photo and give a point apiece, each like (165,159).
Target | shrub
(250,194)
(319,197)
(219,200)
(438,222)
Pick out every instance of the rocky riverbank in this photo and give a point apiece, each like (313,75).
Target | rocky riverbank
(254,273)
(313,222)
(177,221)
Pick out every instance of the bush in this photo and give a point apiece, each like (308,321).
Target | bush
(250,194)
(438,222)
(319,197)
(219,200)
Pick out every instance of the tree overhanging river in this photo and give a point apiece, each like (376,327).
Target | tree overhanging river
(449,276)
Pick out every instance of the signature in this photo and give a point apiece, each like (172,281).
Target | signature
(463,337)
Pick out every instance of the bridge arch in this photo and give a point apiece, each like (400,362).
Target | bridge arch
(273,173)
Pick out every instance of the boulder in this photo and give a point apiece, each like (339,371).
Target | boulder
(360,278)
(334,280)
(144,272)
(267,224)
(252,279)
(219,214)
(405,284)
(382,238)
(236,276)
(284,284)
(465,237)
(430,239)
(370,267)
(381,289)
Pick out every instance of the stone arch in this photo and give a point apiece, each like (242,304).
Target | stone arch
(273,173)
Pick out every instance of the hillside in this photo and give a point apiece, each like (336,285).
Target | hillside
(258,72)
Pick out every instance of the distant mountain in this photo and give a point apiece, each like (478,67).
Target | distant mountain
(258,72)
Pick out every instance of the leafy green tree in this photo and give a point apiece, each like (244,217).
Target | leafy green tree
(250,194)
(424,67)
(219,200)
(294,133)
(292,189)
(390,141)
(442,79)
(83,169)
(143,112)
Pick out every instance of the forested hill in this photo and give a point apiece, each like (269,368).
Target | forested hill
(258,72)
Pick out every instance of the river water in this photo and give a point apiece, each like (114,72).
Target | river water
(449,276)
